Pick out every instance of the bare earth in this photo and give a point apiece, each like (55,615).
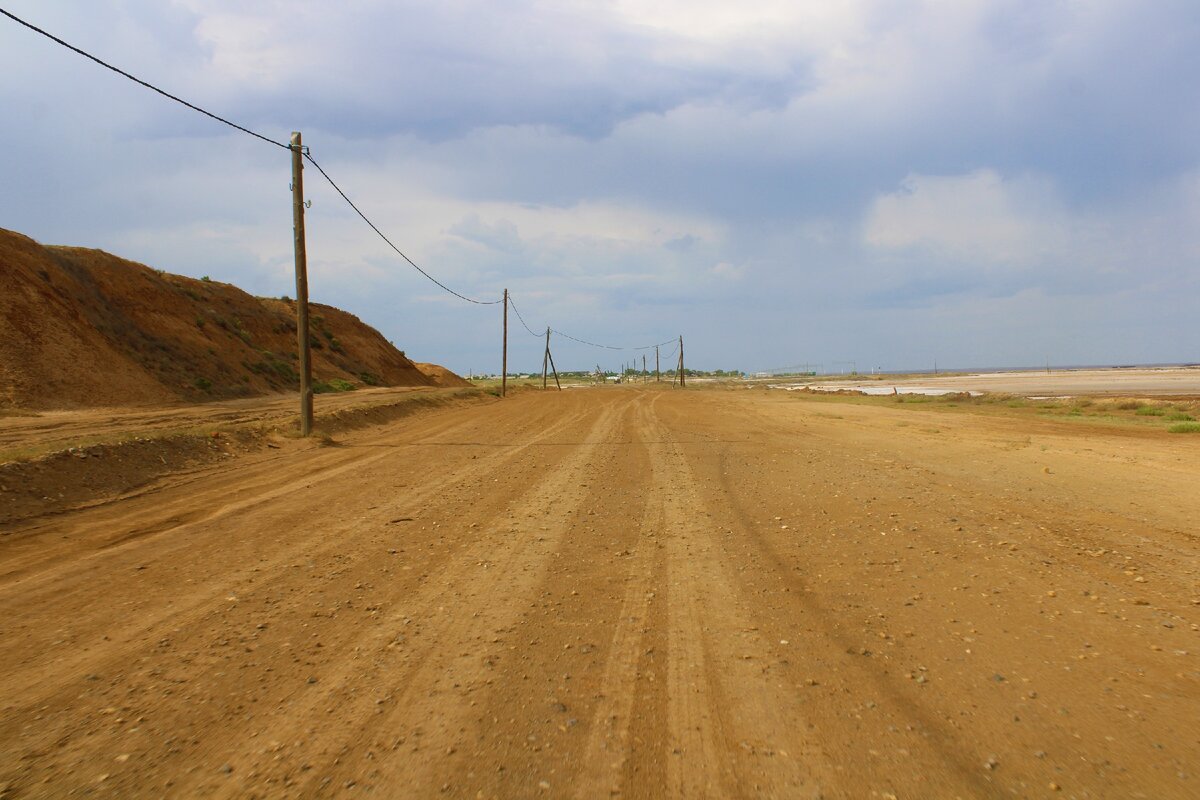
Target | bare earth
(623,592)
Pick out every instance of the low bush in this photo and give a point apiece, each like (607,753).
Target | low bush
(1185,427)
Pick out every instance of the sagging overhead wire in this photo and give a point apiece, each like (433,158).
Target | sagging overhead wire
(575,338)
(324,174)
(532,332)
(584,341)
(609,346)
(137,80)
(412,263)
(243,129)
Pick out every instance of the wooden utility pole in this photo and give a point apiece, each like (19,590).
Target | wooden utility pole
(682,377)
(553,368)
(546,357)
(504,358)
(643,367)
(306,392)
(657,374)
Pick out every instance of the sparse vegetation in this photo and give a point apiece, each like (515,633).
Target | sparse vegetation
(1185,427)
(1083,410)
(203,384)
(333,385)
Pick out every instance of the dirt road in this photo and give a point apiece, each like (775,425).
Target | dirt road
(623,592)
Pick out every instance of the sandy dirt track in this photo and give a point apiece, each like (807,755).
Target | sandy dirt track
(623,592)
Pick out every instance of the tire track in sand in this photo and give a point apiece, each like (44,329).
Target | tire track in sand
(734,728)
(609,746)
(431,694)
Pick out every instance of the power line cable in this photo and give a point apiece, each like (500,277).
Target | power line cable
(414,265)
(652,346)
(243,129)
(137,80)
(577,339)
(324,174)
(532,332)
(609,346)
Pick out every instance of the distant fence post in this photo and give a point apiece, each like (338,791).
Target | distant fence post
(306,392)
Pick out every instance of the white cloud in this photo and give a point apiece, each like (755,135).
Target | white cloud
(978,217)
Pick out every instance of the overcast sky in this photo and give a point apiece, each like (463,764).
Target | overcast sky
(885,183)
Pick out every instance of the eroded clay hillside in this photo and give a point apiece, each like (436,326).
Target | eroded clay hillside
(81,327)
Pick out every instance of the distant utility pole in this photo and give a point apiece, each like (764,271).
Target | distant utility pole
(504,358)
(682,377)
(643,367)
(306,391)
(682,371)
(548,360)
(657,374)
(549,357)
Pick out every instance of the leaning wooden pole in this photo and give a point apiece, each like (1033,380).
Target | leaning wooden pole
(545,357)
(504,357)
(550,356)
(306,391)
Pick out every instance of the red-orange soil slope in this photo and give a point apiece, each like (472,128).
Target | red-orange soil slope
(81,327)
(442,376)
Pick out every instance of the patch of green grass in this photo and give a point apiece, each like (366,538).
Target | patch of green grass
(1179,416)
(1150,411)
(1185,427)
(271,367)
(333,385)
